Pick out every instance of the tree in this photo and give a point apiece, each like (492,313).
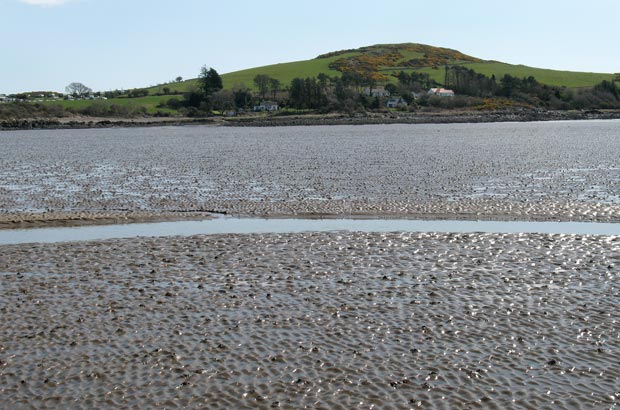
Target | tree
(307,94)
(467,81)
(262,82)
(138,92)
(275,87)
(178,79)
(391,88)
(345,96)
(296,93)
(323,80)
(193,98)
(608,87)
(210,81)
(77,89)
(243,98)
(224,100)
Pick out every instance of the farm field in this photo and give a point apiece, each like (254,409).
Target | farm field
(150,103)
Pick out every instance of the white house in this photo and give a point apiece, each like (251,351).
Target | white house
(378,91)
(3,98)
(267,106)
(441,92)
(396,102)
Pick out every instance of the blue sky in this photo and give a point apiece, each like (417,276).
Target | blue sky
(108,44)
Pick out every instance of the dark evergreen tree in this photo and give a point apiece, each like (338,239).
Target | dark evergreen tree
(210,81)
(307,94)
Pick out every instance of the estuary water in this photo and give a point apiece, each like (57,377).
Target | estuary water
(229,225)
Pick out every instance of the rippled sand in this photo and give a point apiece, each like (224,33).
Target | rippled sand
(315,320)
(525,171)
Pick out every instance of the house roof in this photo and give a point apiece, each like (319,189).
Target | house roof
(440,91)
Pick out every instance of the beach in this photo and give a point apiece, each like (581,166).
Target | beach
(333,320)
(521,171)
(315,320)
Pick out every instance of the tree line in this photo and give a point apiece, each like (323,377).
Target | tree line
(528,90)
(344,93)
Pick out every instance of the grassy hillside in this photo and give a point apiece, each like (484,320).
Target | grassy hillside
(570,79)
(384,59)
(284,72)
(149,103)
(182,86)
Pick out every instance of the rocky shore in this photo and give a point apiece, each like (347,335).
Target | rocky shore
(88,122)
(439,117)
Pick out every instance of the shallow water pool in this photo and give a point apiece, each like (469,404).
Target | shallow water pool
(231,225)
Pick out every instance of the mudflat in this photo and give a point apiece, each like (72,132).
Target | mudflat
(525,171)
(333,320)
(314,320)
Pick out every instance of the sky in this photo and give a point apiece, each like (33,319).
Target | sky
(121,44)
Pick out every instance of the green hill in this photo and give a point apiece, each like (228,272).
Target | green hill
(382,60)
(379,62)
(284,72)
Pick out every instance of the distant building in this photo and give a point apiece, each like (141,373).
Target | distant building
(441,92)
(3,98)
(396,102)
(378,91)
(267,106)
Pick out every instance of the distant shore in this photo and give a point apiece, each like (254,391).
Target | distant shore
(82,122)
(438,117)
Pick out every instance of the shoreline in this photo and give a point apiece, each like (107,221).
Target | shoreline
(56,219)
(439,117)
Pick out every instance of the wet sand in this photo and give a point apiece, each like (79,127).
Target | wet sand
(521,171)
(315,320)
(65,219)
(312,320)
